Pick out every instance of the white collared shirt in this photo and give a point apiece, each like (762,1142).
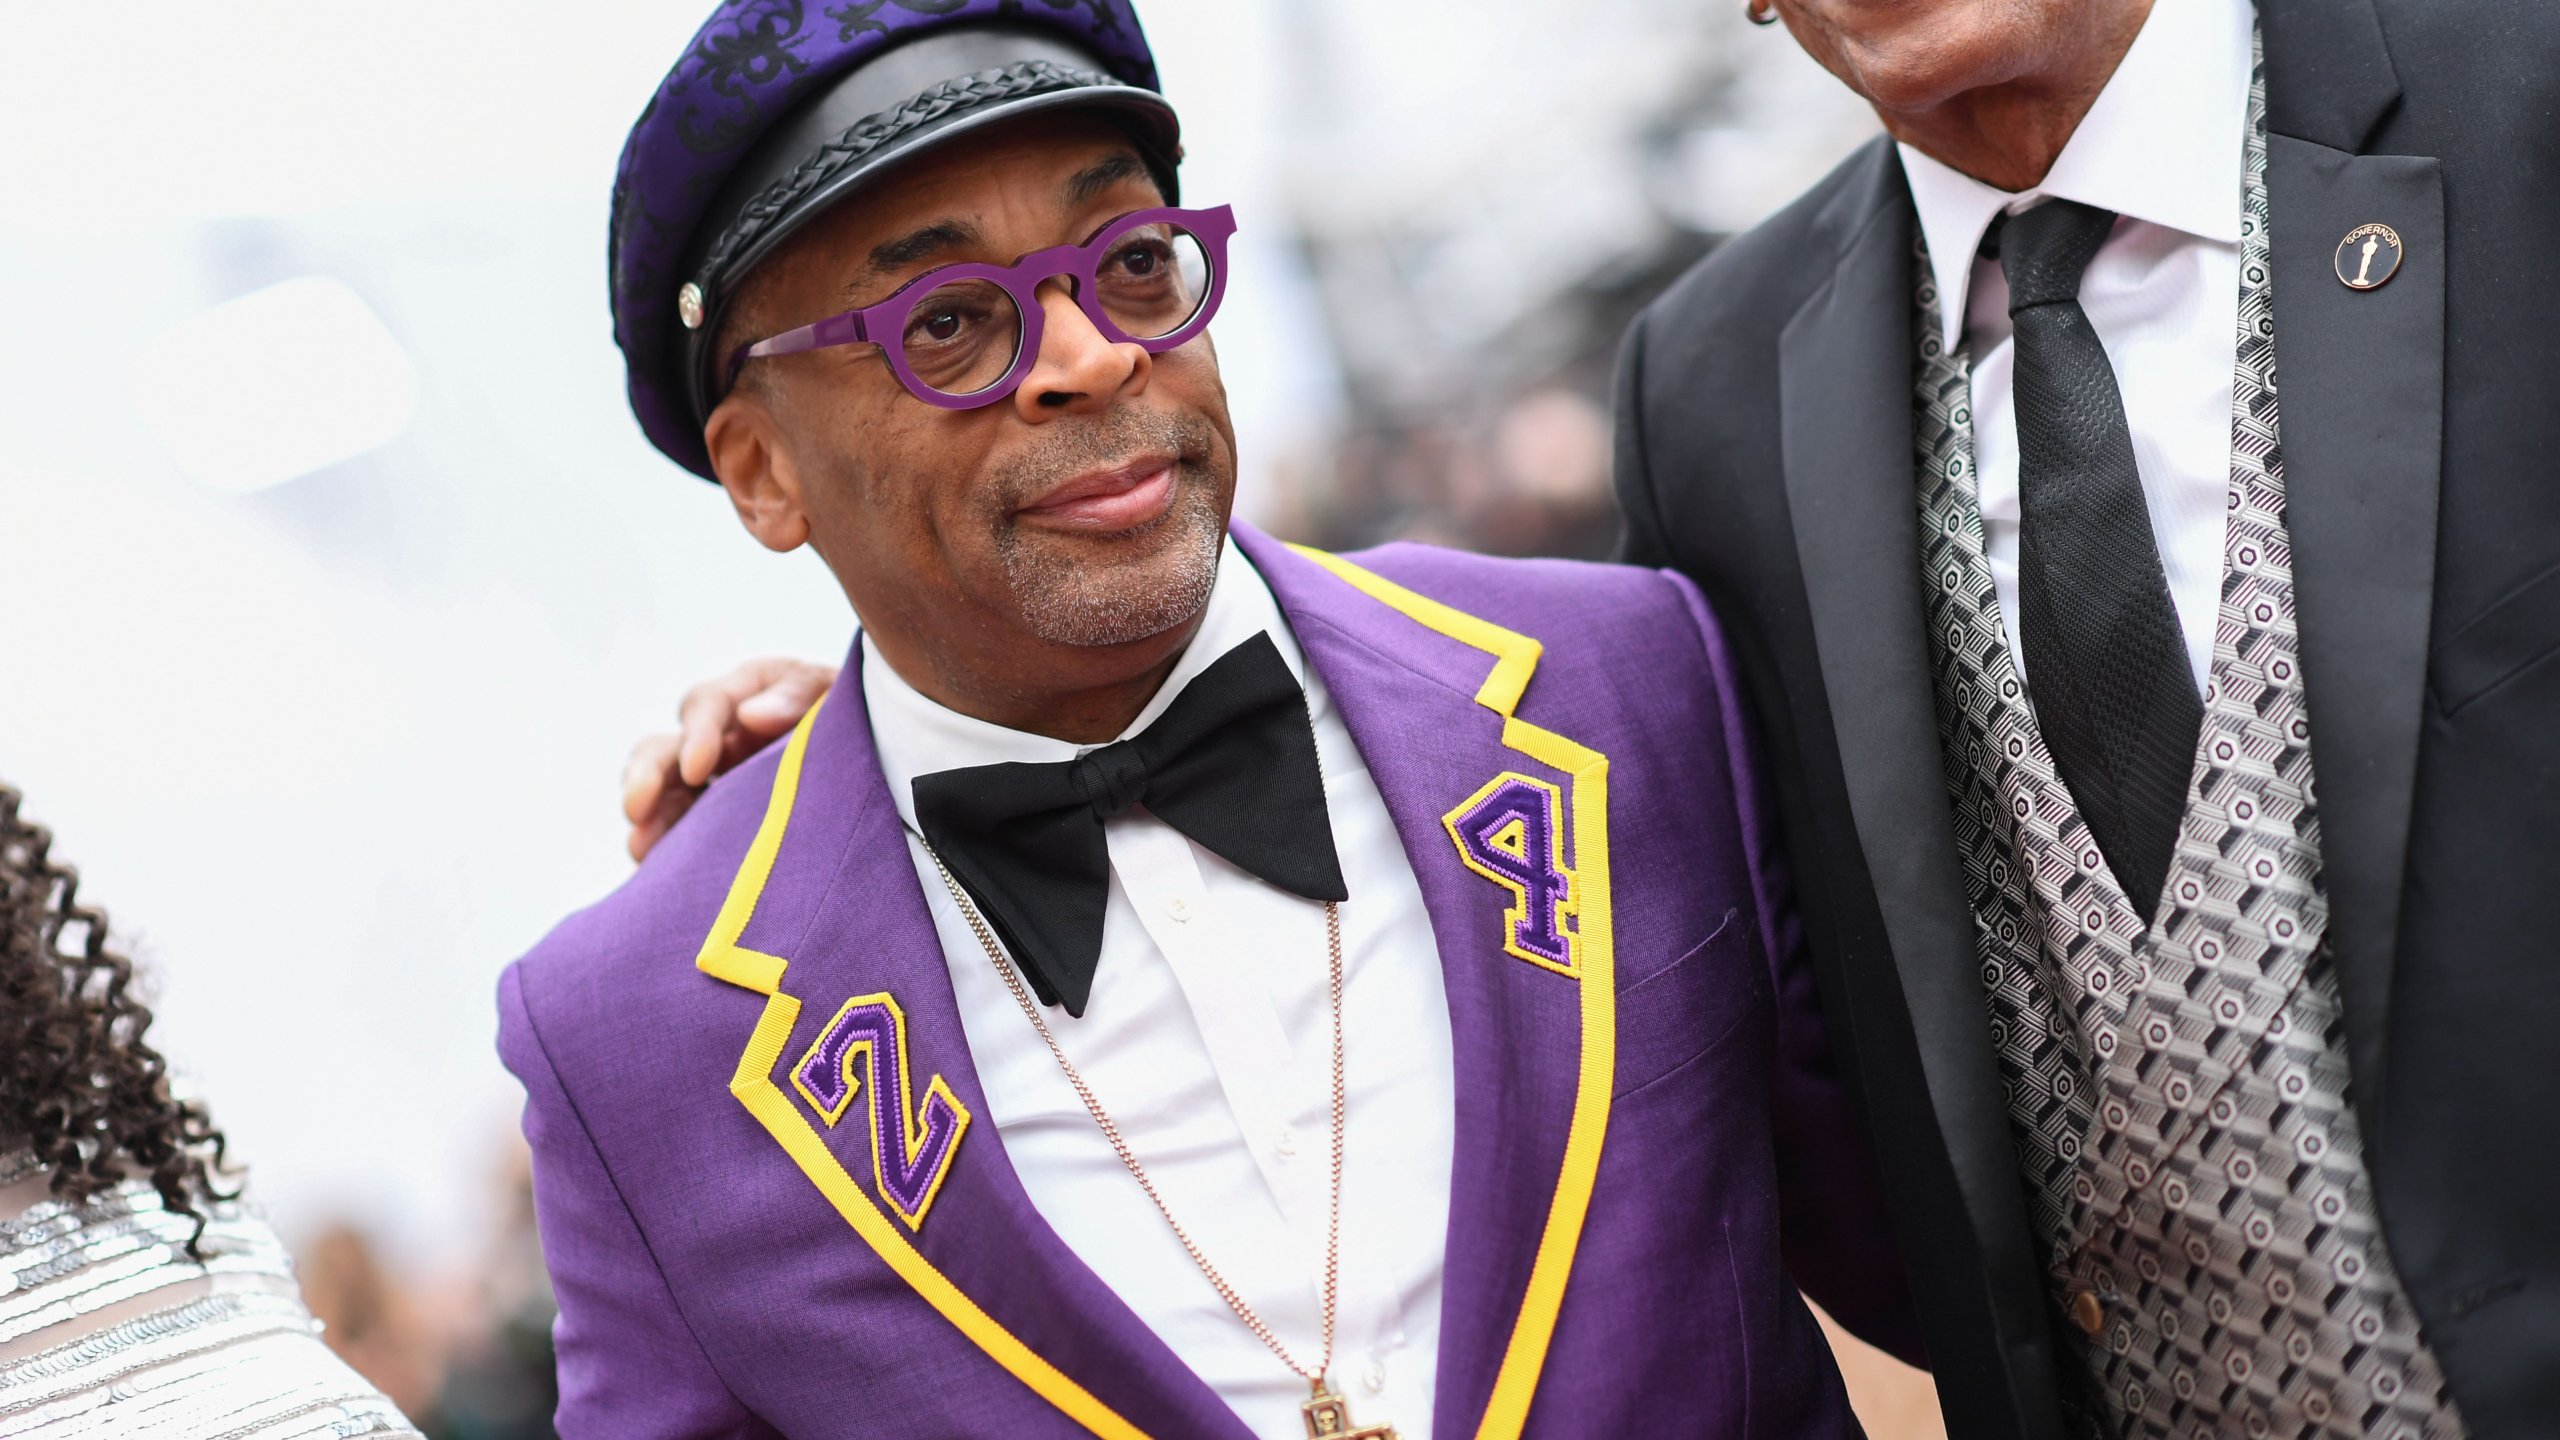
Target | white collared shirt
(2162,147)
(1207,1039)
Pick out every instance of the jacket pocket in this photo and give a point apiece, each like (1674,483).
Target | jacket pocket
(2503,641)
(1681,1011)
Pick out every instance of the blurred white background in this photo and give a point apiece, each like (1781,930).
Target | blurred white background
(334,746)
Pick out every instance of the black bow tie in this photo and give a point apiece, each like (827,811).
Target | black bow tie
(1230,763)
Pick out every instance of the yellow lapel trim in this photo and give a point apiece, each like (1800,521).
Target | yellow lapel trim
(723,958)
(1515,659)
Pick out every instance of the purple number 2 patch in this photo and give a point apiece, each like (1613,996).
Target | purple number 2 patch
(911,1145)
(1512,832)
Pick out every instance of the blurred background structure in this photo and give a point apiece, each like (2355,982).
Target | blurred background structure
(343,580)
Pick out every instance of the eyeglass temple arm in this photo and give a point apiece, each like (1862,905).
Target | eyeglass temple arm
(845,329)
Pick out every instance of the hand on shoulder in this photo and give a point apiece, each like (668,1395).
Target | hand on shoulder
(719,723)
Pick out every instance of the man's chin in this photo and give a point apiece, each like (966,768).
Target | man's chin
(1091,587)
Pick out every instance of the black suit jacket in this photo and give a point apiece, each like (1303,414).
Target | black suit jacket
(1765,447)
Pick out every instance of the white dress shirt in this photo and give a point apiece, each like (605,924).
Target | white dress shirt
(2162,147)
(1208,1042)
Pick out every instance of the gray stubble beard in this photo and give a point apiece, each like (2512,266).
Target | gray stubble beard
(1066,602)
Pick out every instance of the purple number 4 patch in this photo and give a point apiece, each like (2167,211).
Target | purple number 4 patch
(912,1145)
(1512,832)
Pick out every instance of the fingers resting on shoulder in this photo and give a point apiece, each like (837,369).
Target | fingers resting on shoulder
(721,722)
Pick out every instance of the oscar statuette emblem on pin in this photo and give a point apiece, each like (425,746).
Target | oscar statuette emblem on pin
(2368,256)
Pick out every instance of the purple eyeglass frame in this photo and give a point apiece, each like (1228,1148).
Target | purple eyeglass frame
(1021,280)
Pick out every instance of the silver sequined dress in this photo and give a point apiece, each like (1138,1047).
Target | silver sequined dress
(108,1329)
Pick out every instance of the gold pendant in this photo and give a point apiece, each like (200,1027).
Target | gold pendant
(1329,1416)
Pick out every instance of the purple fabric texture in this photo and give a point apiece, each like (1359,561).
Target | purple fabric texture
(750,64)
(708,1288)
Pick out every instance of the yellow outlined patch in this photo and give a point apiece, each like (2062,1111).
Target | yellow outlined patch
(928,1131)
(1511,841)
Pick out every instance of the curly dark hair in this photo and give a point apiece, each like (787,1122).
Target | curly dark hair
(77,1081)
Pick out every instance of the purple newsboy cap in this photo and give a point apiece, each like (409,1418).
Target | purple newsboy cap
(779,108)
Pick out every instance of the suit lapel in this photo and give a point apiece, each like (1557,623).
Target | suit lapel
(1845,395)
(827,920)
(2360,414)
(1426,694)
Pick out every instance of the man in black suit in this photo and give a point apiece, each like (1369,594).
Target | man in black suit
(2166,407)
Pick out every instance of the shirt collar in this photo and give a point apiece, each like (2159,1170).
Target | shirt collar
(2163,143)
(915,735)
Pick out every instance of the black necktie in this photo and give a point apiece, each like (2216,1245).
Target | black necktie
(2106,662)
(1230,763)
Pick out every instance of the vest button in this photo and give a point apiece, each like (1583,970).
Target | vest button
(2087,1313)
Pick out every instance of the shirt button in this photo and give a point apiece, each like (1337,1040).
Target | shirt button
(1375,1375)
(1179,909)
(1286,1141)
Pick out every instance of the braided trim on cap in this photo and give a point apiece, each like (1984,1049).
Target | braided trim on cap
(1028,77)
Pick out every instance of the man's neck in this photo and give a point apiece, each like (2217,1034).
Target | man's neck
(1081,695)
(2008,135)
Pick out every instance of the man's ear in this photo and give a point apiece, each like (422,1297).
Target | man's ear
(747,454)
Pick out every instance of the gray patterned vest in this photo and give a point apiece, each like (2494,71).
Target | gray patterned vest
(2177,1083)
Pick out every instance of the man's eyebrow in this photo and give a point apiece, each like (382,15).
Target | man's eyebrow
(1102,175)
(893,255)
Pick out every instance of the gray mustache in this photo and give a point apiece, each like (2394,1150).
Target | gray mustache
(1073,450)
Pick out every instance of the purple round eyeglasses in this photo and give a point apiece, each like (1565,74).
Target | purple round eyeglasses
(962,336)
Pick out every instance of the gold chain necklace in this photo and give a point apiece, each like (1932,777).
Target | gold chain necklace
(1326,1413)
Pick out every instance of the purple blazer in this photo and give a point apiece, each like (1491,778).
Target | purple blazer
(771,1206)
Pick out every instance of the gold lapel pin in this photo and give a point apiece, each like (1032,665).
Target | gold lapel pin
(2368,256)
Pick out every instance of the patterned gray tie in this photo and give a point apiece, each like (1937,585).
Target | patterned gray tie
(2106,663)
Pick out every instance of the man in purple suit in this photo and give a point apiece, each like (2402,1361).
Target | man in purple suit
(1173,983)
